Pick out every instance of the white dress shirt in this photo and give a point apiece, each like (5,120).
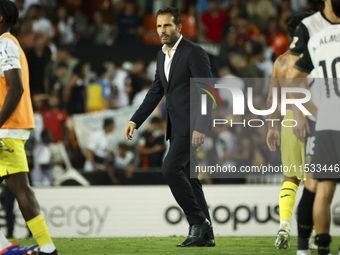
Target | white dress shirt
(168,60)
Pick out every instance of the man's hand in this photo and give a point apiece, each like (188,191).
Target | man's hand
(302,124)
(273,138)
(197,139)
(130,127)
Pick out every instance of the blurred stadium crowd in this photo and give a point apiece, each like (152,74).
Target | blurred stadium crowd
(244,38)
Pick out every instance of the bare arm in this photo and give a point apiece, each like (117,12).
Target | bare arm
(291,61)
(274,83)
(295,76)
(273,136)
(112,177)
(296,79)
(129,170)
(14,94)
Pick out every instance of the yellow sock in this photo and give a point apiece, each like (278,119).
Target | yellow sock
(39,230)
(287,200)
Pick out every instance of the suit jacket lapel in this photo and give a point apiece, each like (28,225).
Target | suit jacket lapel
(175,60)
(161,70)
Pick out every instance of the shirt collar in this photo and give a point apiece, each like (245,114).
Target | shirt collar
(165,49)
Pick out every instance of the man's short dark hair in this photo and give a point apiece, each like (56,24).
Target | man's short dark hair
(336,7)
(155,120)
(173,11)
(108,122)
(9,11)
(294,22)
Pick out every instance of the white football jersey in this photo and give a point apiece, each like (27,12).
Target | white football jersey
(323,55)
(309,27)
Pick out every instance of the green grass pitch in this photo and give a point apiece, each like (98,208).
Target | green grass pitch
(167,245)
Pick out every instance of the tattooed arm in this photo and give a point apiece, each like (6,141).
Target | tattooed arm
(275,82)
(273,136)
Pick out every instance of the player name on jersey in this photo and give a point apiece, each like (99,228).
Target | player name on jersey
(328,39)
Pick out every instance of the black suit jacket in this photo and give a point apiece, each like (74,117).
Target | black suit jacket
(183,101)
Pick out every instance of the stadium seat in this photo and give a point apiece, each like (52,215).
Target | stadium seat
(74,176)
(150,22)
(151,36)
(71,173)
(189,30)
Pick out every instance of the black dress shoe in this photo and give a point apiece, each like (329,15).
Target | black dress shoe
(208,239)
(196,234)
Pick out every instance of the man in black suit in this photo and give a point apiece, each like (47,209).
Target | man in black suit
(177,62)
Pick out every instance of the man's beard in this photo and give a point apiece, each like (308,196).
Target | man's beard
(172,38)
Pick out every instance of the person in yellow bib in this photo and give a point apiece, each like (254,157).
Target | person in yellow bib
(16,121)
(292,149)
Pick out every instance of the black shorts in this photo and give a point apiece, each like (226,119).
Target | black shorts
(325,163)
(310,142)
